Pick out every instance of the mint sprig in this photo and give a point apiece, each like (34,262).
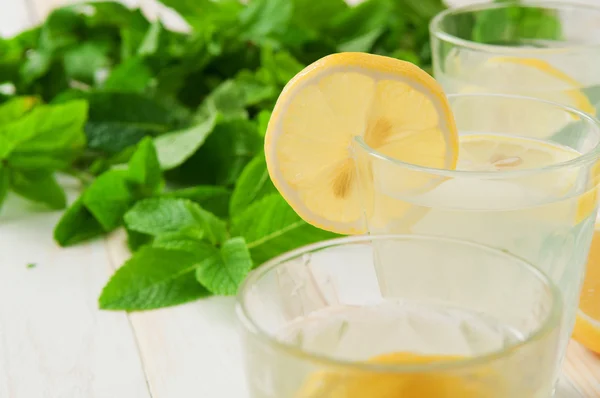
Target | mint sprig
(165,129)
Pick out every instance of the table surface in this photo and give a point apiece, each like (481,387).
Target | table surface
(55,343)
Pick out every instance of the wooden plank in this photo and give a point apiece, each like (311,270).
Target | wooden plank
(188,351)
(583,368)
(54,343)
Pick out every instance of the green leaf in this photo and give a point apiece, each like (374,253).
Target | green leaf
(135,240)
(223,156)
(108,198)
(39,187)
(359,27)
(253,184)
(144,169)
(4,183)
(316,15)
(85,60)
(271,227)
(163,215)
(210,197)
(263,122)
(222,271)
(176,147)
(226,100)
(118,120)
(16,108)
(157,216)
(49,136)
(154,278)
(206,15)
(132,75)
(182,240)
(255,91)
(151,42)
(76,225)
(281,65)
(263,18)
(36,65)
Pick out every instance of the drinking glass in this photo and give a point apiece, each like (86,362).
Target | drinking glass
(524,186)
(547,50)
(457,319)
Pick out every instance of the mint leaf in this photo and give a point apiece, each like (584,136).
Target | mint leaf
(144,169)
(316,15)
(207,15)
(210,197)
(39,187)
(263,122)
(222,271)
(135,240)
(154,278)
(49,136)
(281,65)
(4,181)
(271,227)
(15,108)
(132,75)
(359,27)
(76,225)
(176,147)
(157,216)
(223,156)
(83,61)
(263,18)
(252,184)
(163,215)
(121,119)
(226,100)
(253,89)
(108,198)
(178,241)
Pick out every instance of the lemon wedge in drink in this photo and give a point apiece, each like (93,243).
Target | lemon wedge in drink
(394,106)
(432,384)
(494,152)
(528,77)
(587,326)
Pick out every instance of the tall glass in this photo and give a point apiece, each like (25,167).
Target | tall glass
(524,186)
(547,50)
(459,320)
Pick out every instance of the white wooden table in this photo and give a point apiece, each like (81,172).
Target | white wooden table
(55,343)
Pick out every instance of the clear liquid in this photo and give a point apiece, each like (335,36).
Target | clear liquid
(461,71)
(402,332)
(358,333)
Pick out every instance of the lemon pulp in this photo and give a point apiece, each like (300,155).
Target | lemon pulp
(388,385)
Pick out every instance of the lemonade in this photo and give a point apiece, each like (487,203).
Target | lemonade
(404,332)
(318,323)
(359,143)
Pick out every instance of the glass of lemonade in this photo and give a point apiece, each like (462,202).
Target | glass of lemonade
(525,182)
(547,50)
(455,319)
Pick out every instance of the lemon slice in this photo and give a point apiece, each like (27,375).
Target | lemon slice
(493,152)
(528,77)
(397,109)
(390,385)
(587,326)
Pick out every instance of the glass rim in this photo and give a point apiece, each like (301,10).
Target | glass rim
(585,158)
(435,27)
(550,322)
